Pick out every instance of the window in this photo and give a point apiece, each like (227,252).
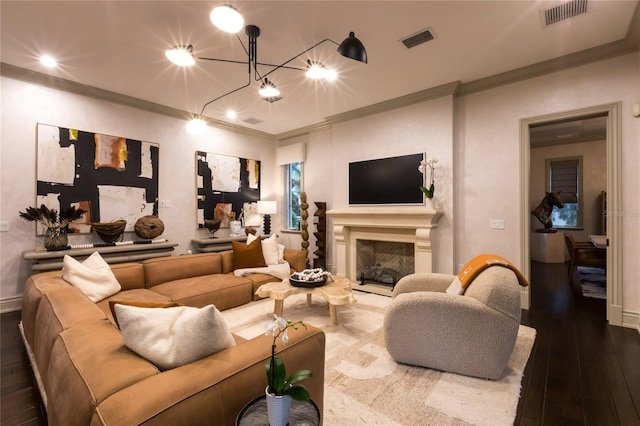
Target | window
(292,189)
(565,174)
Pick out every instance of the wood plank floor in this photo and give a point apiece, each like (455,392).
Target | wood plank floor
(581,370)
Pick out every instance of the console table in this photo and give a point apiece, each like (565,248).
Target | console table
(206,245)
(51,260)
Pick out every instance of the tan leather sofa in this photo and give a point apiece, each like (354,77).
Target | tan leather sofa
(88,376)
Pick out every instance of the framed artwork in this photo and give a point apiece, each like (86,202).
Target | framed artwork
(110,177)
(224,184)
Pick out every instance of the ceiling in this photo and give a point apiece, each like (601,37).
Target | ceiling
(118,46)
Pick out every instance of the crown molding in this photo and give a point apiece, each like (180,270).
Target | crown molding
(29,76)
(583,57)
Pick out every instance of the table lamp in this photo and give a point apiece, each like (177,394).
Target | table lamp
(267,208)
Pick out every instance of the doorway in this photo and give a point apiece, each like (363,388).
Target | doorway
(579,123)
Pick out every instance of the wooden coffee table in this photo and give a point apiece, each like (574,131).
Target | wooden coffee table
(336,292)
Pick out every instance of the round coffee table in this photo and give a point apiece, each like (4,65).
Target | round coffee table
(336,292)
(302,413)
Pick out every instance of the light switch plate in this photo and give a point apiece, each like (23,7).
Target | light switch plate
(496,224)
(4,226)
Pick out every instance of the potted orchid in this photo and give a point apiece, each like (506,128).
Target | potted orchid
(280,388)
(431,164)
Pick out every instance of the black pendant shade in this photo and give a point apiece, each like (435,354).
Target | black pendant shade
(353,48)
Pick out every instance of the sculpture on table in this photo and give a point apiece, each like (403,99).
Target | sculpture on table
(212,225)
(544,209)
(304,226)
(149,227)
(109,232)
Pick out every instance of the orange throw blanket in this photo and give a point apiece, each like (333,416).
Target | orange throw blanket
(482,262)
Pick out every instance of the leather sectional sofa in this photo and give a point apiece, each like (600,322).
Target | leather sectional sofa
(88,376)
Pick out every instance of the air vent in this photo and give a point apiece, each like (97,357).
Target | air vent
(564,11)
(252,120)
(417,39)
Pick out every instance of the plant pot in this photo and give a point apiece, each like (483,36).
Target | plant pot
(235,228)
(278,407)
(56,239)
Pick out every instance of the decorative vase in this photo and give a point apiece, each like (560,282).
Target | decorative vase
(56,239)
(235,228)
(278,407)
(430,203)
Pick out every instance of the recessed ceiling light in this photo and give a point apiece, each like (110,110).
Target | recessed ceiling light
(48,61)
(231,114)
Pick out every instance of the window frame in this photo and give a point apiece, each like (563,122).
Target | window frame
(290,205)
(579,179)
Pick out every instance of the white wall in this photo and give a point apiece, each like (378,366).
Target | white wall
(24,105)
(488,153)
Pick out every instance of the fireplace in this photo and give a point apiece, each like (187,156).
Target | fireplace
(383,262)
(408,225)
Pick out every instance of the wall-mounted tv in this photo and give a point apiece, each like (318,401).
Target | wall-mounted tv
(393,180)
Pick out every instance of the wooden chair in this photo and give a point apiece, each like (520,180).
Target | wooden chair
(583,253)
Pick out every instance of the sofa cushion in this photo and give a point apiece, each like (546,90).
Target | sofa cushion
(135,295)
(247,255)
(93,276)
(269,249)
(166,269)
(171,337)
(224,291)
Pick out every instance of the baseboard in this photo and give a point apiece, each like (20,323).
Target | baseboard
(10,305)
(631,320)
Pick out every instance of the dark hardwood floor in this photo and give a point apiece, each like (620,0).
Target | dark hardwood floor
(581,370)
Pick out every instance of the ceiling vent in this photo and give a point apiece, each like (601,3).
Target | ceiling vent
(564,11)
(252,120)
(417,39)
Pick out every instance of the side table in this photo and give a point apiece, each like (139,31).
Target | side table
(303,413)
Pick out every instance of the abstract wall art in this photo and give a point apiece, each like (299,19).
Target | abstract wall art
(223,185)
(111,177)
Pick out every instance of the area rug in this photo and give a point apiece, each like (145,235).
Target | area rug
(363,385)
(593,282)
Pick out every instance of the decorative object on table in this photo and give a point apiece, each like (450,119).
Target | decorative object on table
(108,176)
(267,208)
(224,183)
(149,227)
(544,209)
(56,235)
(321,235)
(250,230)
(110,232)
(212,225)
(235,228)
(280,388)
(315,277)
(251,219)
(431,164)
(304,232)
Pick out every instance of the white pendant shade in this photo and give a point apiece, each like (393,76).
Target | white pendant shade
(227,19)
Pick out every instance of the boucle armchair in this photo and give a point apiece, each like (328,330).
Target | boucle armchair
(472,334)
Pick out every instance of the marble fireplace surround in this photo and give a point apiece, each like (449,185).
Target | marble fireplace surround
(400,224)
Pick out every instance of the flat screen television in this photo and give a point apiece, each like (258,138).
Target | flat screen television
(393,180)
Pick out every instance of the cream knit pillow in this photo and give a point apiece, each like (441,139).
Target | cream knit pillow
(171,337)
(93,277)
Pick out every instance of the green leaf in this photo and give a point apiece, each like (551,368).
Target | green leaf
(278,376)
(298,376)
(298,392)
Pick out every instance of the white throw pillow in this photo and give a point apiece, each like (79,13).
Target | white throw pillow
(280,253)
(455,288)
(269,249)
(93,277)
(171,337)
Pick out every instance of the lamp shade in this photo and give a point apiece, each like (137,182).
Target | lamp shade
(353,48)
(267,207)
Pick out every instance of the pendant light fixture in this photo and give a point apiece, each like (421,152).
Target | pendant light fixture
(228,19)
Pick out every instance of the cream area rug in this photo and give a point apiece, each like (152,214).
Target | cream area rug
(364,386)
